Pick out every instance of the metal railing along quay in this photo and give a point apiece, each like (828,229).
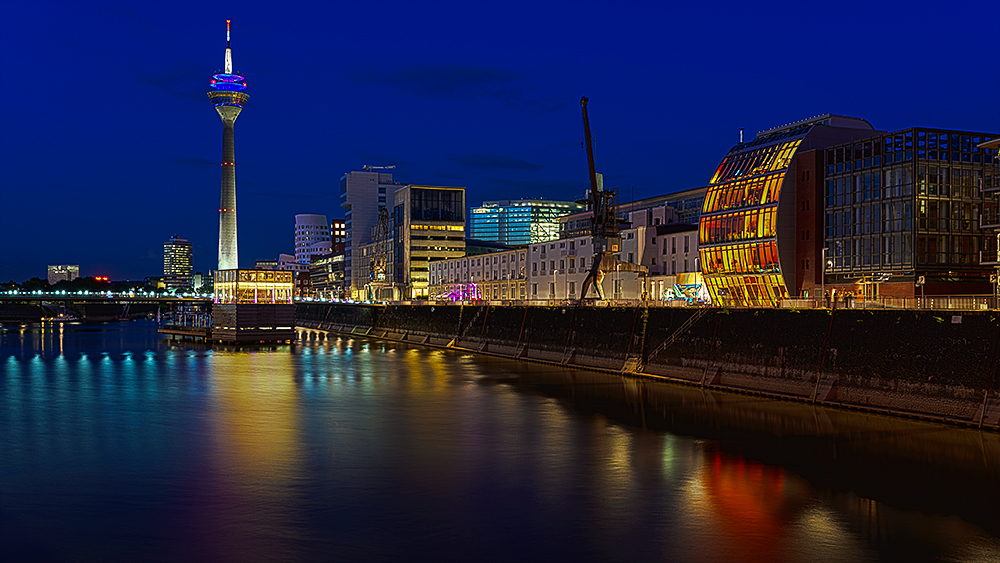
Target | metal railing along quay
(930,302)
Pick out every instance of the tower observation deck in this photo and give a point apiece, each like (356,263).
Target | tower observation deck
(229,97)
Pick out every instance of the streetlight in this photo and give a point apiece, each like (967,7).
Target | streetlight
(617,282)
(822,274)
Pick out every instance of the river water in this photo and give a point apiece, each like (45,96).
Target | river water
(119,445)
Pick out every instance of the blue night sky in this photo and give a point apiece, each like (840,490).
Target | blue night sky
(108,144)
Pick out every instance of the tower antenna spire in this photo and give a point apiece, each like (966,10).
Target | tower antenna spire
(229,52)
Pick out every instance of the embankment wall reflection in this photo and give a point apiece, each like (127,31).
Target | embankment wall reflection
(906,464)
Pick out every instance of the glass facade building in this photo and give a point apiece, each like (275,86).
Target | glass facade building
(747,223)
(518,222)
(428,225)
(910,204)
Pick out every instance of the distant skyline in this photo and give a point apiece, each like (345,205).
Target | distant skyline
(109,145)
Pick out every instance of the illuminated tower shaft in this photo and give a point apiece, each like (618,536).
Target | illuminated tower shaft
(229,98)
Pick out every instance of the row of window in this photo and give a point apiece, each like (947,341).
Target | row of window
(746,291)
(897,250)
(931,214)
(741,259)
(742,225)
(752,192)
(758,161)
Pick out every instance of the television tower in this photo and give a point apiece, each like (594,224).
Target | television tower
(229,97)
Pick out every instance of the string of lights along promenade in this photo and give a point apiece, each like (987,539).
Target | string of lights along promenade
(229,97)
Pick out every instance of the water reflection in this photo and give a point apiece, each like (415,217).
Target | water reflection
(932,481)
(127,447)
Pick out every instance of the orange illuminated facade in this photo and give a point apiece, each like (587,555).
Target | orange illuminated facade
(747,226)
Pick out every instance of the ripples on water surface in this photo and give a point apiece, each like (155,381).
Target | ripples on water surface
(120,446)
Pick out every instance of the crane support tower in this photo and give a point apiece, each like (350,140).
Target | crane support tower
(380,284)
(605,230)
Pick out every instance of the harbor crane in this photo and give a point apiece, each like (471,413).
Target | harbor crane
(380,283)
(605,229)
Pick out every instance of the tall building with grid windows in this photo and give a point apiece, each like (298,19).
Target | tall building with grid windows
(747,229)
(178,263)
(908,211)
(428,225)
(517,222)
(362,194)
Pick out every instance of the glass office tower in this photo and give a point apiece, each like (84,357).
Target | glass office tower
(908,206)
(522,221)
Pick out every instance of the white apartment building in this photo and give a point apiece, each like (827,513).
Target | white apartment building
(554,271)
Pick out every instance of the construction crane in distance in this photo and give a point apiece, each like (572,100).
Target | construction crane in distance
(369,167)
(605,230)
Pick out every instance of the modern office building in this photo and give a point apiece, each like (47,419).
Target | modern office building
(908,213)
(229,98)
(747,231)
(362,194)
(60,272)
(326,275)
(991,224)
(312,237)
(428,225)
(178,264)
(522,221)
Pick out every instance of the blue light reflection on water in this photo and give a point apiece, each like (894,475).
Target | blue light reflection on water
(120,446)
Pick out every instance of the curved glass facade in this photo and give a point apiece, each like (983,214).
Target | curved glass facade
(738,226)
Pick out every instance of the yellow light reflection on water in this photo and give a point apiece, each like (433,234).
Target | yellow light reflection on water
(256,454)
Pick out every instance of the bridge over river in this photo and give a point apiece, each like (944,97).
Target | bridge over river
(33,307)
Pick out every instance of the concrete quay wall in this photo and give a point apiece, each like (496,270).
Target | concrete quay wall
(931,364)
